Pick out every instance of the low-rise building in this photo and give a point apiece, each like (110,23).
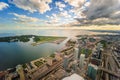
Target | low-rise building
(73,77)
(59,74)
(58,56)
(49,61)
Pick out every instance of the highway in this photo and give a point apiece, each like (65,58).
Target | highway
(110,66)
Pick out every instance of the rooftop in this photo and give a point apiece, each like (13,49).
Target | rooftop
(74,77)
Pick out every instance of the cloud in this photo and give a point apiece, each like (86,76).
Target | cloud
(79,9)
(105,21)
(60,5)
(65,14)
(104,12)
(103,8)
(54,19)
(115,15)
(78,12)
(75,3)
(87,4)
(60,18)
(100,12)
(3,5)
(33,5)
(24,19)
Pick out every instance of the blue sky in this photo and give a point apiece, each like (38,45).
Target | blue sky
(47,13)
(37,13)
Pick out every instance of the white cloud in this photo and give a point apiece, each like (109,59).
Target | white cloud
(65,14)
(87,4)
(33,5)
(24,19)
(78,12)
(80,6)
(54,19)
(60,5)
(115,15)
(47,16)
(61,18)
(3,5)
(75,3)
(105,21)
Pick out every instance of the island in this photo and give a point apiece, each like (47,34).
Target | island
(35,39)
(45,39)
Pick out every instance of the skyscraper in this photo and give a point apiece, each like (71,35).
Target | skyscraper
(81,60)
(65,62)
(76,53)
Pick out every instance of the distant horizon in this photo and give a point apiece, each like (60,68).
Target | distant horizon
(90,27)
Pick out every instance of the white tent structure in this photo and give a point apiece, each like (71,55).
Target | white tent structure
(74,77)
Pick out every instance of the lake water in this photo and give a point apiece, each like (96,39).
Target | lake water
(15,53)
(12,54)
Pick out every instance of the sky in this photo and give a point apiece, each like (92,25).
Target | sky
(54,13)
